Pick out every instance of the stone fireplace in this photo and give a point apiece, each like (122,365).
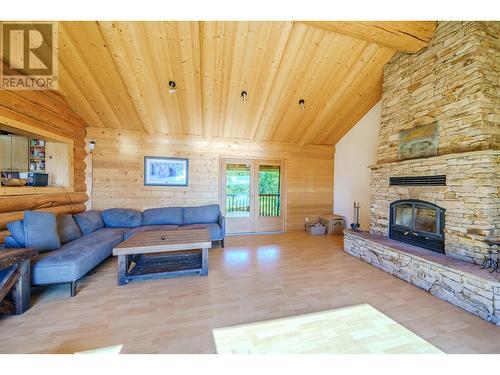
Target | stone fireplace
(470,198)
(452,83)
(441,228)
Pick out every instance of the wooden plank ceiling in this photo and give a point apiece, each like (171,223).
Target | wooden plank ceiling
(116,74)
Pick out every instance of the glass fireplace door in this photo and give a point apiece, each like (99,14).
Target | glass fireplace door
(417,222)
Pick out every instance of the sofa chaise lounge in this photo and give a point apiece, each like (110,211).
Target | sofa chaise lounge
(72,245)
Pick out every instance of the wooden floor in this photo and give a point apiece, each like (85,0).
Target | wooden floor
(254,278)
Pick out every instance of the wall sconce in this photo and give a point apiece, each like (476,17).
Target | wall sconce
(302,103)
(244,96)
(91,146)
(171,87)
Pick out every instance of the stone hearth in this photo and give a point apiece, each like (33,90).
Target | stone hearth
(460,283)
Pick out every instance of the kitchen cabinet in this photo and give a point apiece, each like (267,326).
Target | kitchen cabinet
(14,152)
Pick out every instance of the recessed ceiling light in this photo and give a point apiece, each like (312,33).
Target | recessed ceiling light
(171,87)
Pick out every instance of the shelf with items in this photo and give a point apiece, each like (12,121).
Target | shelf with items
(37,155)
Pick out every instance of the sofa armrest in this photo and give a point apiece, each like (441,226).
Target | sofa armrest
(222,224)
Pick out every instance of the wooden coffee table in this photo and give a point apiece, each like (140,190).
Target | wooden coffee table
(152,254)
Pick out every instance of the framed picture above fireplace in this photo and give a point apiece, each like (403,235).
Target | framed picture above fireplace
(165,171)
(419,142)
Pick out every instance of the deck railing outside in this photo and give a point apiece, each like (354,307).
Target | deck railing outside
(269,204)
(239,205)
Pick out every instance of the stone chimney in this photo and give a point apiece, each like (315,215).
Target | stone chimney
(452,88)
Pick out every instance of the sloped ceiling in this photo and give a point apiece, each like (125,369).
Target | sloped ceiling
(116,74)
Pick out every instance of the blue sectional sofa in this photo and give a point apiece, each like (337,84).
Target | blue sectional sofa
(72,245)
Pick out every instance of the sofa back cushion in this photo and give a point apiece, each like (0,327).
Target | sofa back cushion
(164,215)
(40,229)
(67,228)
(89,221)
(16,229)
(202,214)
(121,218)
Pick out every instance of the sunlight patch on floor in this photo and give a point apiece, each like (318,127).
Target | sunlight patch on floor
(348,330)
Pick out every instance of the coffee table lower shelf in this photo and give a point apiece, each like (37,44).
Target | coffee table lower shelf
(147,267)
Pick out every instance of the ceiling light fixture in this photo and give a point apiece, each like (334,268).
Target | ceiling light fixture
(244,95)
(302,103)
(171,87)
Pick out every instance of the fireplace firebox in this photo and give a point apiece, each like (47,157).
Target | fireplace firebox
(418,223)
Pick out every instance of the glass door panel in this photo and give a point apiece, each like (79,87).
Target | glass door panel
(404,215)
(238,195)
(238,190)
(269,190)
(426,219)
(269,204)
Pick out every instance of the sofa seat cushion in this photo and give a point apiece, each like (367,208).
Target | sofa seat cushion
(213,229)
(164,215)
(74,259)
(67,228)
(40,230)
(121,218)
(89,221)
(201,214)
(148,228)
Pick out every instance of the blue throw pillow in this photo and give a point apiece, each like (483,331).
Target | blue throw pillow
(40,229)
(67,228)
(89,221)
(16,229)
(202,214)
(11,243)
(163,216)
(121,218)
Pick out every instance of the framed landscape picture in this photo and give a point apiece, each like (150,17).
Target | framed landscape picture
(418,142)
(159,171)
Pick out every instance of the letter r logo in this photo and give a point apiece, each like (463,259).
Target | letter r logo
(28,48)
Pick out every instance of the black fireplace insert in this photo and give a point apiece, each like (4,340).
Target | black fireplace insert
(418,223)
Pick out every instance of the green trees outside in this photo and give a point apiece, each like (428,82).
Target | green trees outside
(238,181)
(269,181)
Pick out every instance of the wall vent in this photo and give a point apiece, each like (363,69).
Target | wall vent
(439,180)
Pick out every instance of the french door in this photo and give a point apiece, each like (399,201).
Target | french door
(252,195)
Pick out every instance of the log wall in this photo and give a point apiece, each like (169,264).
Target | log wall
(49,112)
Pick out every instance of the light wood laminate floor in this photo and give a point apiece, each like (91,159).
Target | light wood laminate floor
(254,278)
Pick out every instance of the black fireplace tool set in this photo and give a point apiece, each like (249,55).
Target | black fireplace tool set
(355,226)
(490,262)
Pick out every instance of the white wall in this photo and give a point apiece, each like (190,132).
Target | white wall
(353,154)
